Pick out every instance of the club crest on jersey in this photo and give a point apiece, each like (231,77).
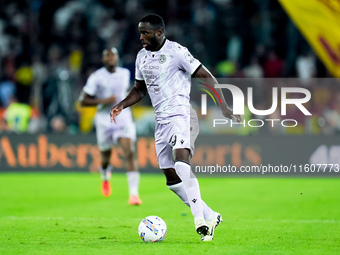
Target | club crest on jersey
(162,59)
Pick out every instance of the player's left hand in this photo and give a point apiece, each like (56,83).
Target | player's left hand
(115,111)
(110,100)
(227,112)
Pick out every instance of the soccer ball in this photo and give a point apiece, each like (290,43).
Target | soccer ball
(152,229)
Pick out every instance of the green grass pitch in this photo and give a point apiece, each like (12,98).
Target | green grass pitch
(65,213)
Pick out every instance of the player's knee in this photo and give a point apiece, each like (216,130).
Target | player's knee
(128,152)
(181,155)
(171,176)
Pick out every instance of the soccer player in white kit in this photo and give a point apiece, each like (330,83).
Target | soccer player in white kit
(164,70)
(104,88)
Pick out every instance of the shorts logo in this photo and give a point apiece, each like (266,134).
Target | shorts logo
(162,59)
(173,140)
(182,141)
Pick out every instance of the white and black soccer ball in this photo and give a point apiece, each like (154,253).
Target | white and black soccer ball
(152,229)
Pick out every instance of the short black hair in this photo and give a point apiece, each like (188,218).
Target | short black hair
(155,20)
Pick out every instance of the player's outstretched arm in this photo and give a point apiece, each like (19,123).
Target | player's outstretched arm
(136,94)
(204,74)
(87,100)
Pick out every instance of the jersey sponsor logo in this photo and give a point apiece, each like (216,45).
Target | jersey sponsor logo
(162,59)
(153,88)
(150,67)
(156,90)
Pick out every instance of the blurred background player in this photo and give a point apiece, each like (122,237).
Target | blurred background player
(104,88)
(164,69)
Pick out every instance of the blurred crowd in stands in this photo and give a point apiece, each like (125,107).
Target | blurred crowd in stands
(49,48)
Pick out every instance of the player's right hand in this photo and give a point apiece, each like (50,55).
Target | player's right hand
(227,112)
(115,111)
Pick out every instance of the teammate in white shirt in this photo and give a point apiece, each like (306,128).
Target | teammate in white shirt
(104,88)
(164,69)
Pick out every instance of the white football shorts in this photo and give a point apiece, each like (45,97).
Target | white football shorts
(180,132)
(108,133)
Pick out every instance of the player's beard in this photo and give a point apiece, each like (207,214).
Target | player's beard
(111,68)
(153,44)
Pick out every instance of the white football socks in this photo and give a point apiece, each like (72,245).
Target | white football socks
(133,182)
(179,190)
(191,188)
(105,174)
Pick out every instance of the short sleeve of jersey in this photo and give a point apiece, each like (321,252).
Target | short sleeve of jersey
(90,87)
(186,61)
(138,73)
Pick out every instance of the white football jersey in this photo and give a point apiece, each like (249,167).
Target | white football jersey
(103,84)
(167,75)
